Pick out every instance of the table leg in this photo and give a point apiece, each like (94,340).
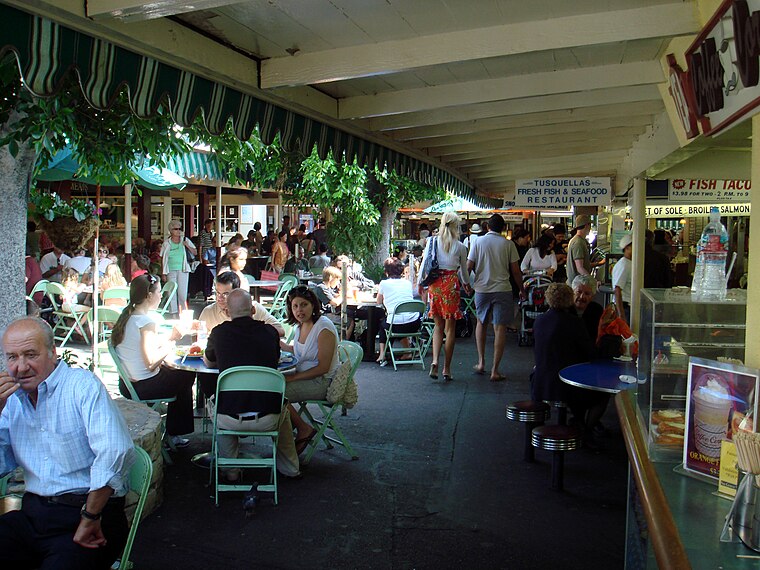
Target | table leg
(256,294)
(372,325)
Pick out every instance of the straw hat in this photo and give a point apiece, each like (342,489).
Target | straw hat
(475,229)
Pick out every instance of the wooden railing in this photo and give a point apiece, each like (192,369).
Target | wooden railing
(663,533)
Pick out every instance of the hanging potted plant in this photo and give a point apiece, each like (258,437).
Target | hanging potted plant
(70,224)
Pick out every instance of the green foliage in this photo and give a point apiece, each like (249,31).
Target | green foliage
(49,205)
(356,202)
(242,162)
(105,143)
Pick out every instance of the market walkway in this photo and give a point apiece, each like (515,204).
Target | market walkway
(439,484)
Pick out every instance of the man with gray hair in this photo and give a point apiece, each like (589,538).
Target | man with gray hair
(61,425)
(584,290)
(243,341)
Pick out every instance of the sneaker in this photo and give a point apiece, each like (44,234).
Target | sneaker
(179,442)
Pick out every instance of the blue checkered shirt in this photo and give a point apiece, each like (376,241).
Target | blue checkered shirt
(74,441)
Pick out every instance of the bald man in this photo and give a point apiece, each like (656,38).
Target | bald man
(62,426)
(243,341)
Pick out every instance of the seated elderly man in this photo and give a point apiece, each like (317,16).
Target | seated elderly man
(243,341)
(584,289)
(61,425)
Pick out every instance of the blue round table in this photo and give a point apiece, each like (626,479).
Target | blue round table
(600,375)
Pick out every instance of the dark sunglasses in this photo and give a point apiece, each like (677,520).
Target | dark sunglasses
(299,290)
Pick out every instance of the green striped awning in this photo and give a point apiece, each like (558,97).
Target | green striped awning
(47,51)
(198,165)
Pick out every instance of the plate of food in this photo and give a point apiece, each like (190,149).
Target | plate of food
(193,351)
(286,360)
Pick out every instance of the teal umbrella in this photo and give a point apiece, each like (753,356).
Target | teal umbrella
(456,204)
(63,166)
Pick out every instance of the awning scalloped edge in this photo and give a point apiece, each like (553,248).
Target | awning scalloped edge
(46,51)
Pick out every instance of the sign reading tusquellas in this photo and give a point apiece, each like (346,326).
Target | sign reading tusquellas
(561,193)
(720,86)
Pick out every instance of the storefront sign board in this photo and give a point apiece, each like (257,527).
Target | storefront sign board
(701,191)
(694,210)
(720,86)
(561,193)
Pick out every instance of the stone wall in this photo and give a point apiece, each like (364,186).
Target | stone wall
(145,428)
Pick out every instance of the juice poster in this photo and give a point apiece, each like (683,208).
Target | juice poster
(719,397)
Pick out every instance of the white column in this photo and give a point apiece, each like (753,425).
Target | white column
(638,212)
(219,214)
(128,219)
(752,341)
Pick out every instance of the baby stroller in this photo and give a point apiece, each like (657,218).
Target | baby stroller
(533,305)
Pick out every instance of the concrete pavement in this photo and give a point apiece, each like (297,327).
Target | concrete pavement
(440,483)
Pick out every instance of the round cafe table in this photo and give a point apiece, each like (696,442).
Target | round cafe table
(287,364)
(600,375)
(255,287)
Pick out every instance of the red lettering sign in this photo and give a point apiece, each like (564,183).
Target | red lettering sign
(683,97)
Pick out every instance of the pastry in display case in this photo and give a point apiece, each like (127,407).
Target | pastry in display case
(674,326)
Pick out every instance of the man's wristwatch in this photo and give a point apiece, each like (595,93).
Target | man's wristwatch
(89,516)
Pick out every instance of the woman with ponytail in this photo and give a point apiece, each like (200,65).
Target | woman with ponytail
(443,293)
(142,352)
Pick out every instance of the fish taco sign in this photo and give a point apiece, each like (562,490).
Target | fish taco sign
(720,86)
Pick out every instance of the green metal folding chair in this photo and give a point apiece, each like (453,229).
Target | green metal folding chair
(289,277)
(158,404)
(68,320)
(414,348)
(246,379)
(278,307)
(346,350)
(428,328)
(139,481)
(116,293)
(167,294)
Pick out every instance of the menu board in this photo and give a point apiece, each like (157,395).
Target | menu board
(719,397)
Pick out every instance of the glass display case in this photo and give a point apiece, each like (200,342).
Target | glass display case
(675,325)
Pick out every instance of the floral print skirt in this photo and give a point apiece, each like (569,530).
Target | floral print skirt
(443,296)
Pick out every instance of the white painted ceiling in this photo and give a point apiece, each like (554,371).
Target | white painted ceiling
(496,90)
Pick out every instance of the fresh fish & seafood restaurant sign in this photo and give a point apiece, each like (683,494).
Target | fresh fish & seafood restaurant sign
(561,193)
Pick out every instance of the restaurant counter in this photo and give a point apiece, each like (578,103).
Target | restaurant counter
(674,521)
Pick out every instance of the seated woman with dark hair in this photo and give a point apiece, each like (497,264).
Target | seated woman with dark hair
(391,293)
(561,339)
(315,345)
(142,351)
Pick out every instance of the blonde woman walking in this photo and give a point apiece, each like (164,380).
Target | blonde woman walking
(443,293)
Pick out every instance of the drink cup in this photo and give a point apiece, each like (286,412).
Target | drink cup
(710,421)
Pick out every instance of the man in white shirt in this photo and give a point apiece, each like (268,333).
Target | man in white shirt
(52,263)
(80,263)
(621,278)
(217,313)
(492,258)
(61,425)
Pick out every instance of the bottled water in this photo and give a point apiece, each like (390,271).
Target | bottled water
(712,253)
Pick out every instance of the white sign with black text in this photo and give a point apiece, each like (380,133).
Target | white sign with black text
(707,191)
(561,193)
(692,210)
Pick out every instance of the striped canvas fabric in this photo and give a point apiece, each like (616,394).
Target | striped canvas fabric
(46,51)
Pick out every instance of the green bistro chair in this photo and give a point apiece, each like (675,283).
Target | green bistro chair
(428,328)
(289,277)
(159,404)
(415,348)
(116,293)
(246,379)
(68,320)
(167,294)
(346,350)
(278,307)
(106,316)
(140,477)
